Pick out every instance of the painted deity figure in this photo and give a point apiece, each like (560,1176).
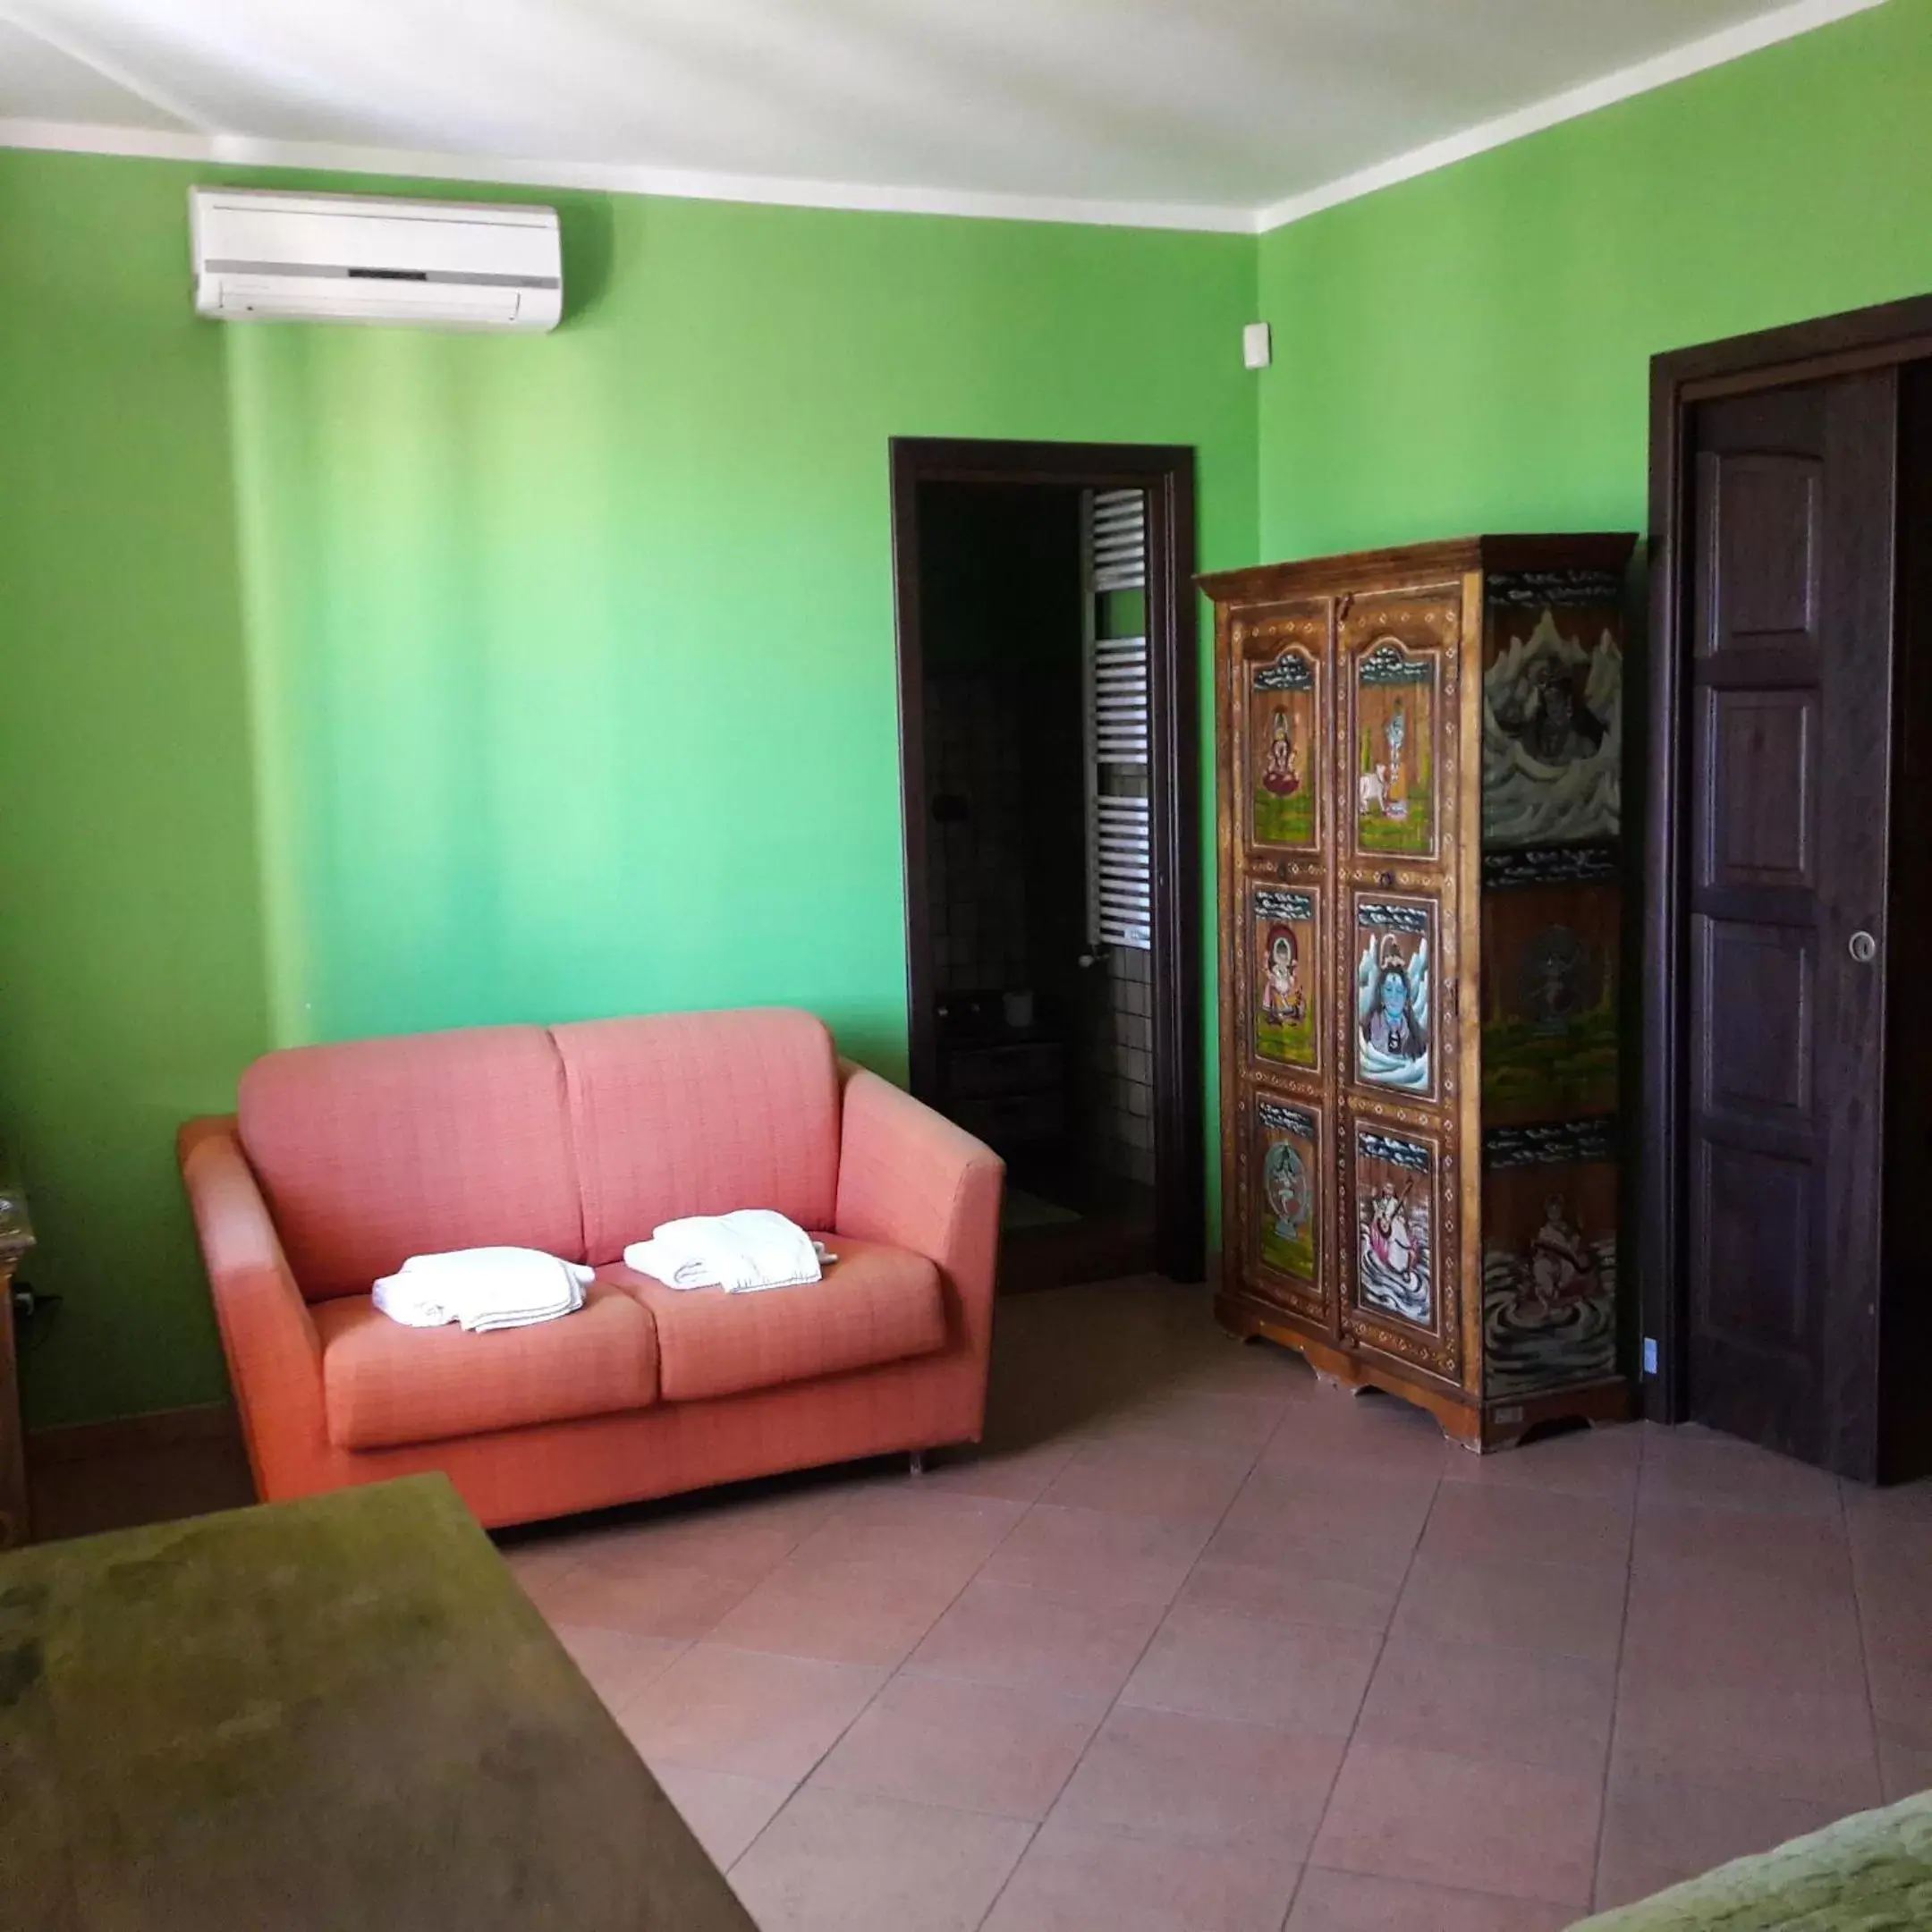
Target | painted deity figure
(1284,1001)
(1561,1267)
(1281,773)
(1291,1200)
(1556,969)
(1556,725)
(1395,774)
(1387,1236)
(1392,1027)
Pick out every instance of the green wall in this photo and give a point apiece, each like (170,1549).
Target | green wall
(1470,350)
(361,681)
(132,985)
(357,681)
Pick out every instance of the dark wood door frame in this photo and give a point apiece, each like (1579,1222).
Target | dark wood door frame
(1865,339)
(1165,473)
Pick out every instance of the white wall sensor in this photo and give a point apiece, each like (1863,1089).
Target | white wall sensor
(1257,345)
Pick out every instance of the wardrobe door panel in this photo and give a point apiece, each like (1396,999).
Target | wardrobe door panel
(1286,980)
(1282,746)
(1401,741)
(1403,1296)
(1392,985)
(1276,905)
(1551,937)
(1286,1204)
(1549,1257)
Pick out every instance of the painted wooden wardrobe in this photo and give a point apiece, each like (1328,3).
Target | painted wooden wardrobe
(1420,763)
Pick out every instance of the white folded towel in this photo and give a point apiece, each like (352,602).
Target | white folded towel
(483,1288)
(754,1247)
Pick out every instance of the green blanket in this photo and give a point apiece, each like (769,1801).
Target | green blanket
(1870,1873)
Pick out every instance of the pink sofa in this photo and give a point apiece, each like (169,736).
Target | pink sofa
(579,1139)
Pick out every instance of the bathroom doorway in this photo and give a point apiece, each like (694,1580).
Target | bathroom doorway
(1048,725)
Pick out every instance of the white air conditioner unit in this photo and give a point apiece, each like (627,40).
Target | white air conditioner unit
(263,257)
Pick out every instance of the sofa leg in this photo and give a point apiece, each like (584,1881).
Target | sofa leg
(916,1461)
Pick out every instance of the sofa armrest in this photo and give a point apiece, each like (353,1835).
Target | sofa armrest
(908,1176)
(275,1355)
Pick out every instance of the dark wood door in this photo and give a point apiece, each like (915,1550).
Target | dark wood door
(1791,734)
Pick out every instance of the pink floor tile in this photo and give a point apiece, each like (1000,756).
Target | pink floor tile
(617,1664)
(1595,1462)
(1694,1467)
(1658,1831)
(1897,1618)
(1275,1581)
(1350,1901)
(1571,1610)
(538,1565)
(1375,1554)
(1100,1554)
(725,1810)
(1016,1475)
(1901,1701)
(1329,1500)
(1793,1744)
(1903,1770)
(1475,1523)
(1288,1595)
(1208,1780)
(657,1598)
(1004,1633)
(1466,1823)
(1145,1477)
(869,1612)
(1710,1624)
(1203,1417)
(1074,1880)
(1527,1706)
(843,1861)
(730,1536)
(1892,1528)
(1256,1367)
(1305,1677)
(903,1520)
(747,1711)
(973,1746)
(1371,1433)
(1809,1552)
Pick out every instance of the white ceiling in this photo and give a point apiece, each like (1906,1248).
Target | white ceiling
(1201,113)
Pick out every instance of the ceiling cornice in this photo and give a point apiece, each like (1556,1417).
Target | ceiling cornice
(1696,56)
(777,190)
(241,150)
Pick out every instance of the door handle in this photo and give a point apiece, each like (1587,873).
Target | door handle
(1863,948)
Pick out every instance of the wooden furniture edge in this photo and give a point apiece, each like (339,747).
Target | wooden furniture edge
(1477,1426)
(1417,564)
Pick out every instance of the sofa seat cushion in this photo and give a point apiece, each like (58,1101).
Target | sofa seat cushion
(384,1384)
(876,1304)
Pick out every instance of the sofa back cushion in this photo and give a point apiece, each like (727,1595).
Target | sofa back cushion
(691,1114)
(377,1149)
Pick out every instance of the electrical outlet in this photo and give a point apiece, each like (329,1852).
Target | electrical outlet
(1649,1354)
